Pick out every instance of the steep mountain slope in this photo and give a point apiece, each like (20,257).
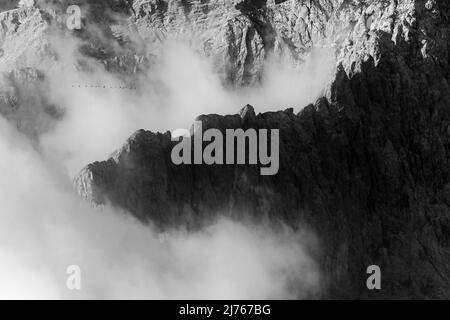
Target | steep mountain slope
(366,166)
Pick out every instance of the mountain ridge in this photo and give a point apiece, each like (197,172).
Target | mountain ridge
(366,166)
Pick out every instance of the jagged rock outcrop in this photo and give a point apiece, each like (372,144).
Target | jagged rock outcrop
(367,166)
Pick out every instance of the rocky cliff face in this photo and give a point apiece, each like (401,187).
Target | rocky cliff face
(367,166)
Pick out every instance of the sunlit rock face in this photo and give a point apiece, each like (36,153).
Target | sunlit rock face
(366,166)
(239,35)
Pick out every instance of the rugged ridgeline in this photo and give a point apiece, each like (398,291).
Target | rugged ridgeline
(367,166)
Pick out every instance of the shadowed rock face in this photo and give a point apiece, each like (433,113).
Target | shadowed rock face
(367,166)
